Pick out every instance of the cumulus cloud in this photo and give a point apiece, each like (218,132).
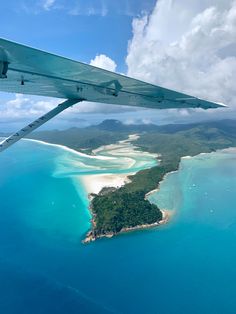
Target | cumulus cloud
(24,107)
(27,108)
(104,62)
(188,46)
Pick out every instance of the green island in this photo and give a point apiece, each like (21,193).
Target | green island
(117,210)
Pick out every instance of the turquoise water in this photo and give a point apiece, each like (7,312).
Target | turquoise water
(186,266)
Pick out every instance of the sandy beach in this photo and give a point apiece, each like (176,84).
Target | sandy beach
(70,150)
(124,149)
(123,155)
(95,183)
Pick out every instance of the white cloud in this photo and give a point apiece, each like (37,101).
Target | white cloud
(188,46)
(48,4)
(25,107)
(104,62)
(133,121)
(22,109)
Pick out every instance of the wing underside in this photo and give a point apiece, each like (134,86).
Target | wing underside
(35,72)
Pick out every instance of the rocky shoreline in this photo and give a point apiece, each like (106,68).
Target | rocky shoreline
(166,214)
(90,236)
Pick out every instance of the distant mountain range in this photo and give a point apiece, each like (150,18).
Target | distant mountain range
(116,210)
(127,206)
(113,125)
(117,126)
(110,131)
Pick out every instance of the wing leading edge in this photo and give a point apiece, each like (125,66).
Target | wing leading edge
(27,70)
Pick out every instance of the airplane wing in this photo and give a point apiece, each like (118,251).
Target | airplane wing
(26,70)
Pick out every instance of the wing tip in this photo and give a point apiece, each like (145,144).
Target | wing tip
(212,105)
(221,105)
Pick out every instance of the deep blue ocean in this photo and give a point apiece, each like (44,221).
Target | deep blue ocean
(186,266)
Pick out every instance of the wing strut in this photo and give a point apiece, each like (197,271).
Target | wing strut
(37,123)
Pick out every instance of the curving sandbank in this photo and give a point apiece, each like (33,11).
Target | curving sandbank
(70,150)
(122,155)
(129,153)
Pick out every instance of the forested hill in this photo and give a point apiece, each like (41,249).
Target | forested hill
(117,126)
(126,207)
(110,131)
(115,210)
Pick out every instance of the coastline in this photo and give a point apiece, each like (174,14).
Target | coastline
(157,189)
(70,150)
(166,214)
(95,183)
(90,237)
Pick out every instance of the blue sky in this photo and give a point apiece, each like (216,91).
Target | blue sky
(76,29)
(188,46)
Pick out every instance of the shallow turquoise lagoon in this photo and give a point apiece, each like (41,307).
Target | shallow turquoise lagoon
(186,266)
